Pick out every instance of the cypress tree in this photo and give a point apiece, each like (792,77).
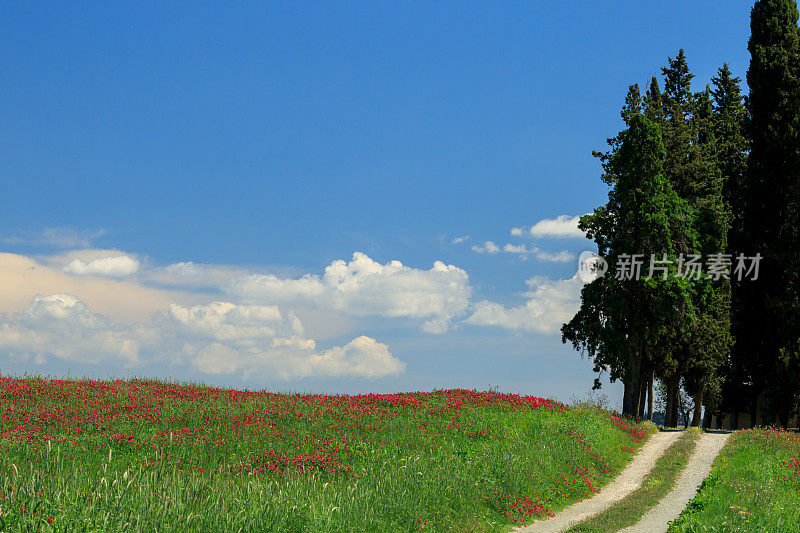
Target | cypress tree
(675,123)
(730,118)
(729,129)
(653,103)
(677,107)
(772,212)
(710,340)
(633,103)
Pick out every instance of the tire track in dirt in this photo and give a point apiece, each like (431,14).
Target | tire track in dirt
(626,482)
(697,469)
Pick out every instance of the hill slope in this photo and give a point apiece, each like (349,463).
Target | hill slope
(128,455)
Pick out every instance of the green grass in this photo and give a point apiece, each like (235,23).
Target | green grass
(754,486)
(138,455)
(655,486)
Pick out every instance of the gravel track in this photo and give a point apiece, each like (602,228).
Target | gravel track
(626,482)
(697,469)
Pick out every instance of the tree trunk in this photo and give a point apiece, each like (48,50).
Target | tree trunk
(642,396)
(708,419)
(630,396)
(735,419)
(650,397)
(753,411)
(698,409)
(683,413)
(783,415)
(670,405)
(677,404)
(673,391)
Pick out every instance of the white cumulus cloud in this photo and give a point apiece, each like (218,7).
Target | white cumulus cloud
(555,257)
(488,247)
(118,266)
(62,326)
(225,338)
(523,251)
(519,249)
(364,287)
(297,358)
(563,226)
(550,303)
(224,321)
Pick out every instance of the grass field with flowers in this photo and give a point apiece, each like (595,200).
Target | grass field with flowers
(754,486)
(145,455)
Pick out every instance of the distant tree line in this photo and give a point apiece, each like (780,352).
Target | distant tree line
(713,173)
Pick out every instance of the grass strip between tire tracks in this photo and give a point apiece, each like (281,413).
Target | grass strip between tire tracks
(655,486)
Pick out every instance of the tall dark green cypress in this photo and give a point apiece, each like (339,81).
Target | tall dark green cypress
(772,213)
(675,122)
(664,365)
(667,111)
(709,340)
(730,118)
(633,103)
(676,104)
(653,103)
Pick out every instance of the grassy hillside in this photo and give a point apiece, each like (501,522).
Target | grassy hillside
(754,486)
(130,455)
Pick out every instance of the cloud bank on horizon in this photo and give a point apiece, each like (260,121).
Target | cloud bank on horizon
(92,306)
(217,338)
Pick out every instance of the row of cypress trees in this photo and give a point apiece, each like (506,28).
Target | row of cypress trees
(707,173)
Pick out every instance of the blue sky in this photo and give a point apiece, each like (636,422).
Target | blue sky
(272,139)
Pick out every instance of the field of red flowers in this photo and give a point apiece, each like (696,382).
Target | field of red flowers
(135,455)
